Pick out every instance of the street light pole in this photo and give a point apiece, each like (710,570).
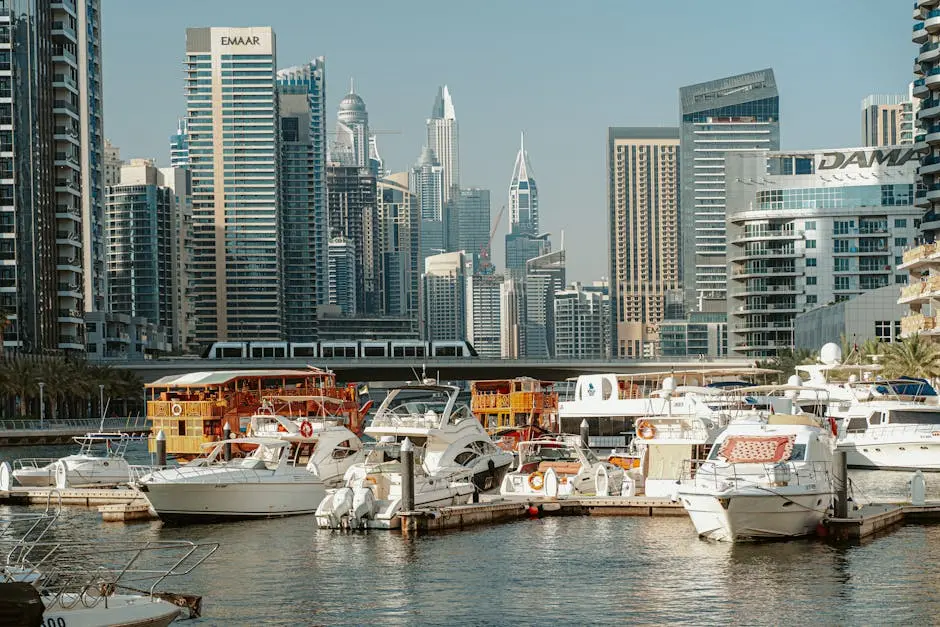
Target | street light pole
(42,405)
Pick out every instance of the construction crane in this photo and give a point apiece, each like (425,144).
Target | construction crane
(485,263)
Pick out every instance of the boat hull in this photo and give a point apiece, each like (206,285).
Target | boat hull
(882,455)
(125,610)
(79,473)
(182,503)
(730,517)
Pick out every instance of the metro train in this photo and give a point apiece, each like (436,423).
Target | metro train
(350,349)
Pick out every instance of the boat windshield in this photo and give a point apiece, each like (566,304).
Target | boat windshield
(913,417)
(419,408)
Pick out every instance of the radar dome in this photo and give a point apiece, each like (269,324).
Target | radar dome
(669,384)
(853,378)
(794,380)
(830,354)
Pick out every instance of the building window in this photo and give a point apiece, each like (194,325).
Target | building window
(900,223)
(811,280)
(900,279)
(842,264)
(811,299)
(842,283)
(811,262)
(840,246)
(883,330)
(810,225)
(900,241)
(898,259)
(810,243)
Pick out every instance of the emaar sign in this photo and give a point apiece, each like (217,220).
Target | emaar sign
(867,158)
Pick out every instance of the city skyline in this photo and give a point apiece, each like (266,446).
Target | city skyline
(819,92)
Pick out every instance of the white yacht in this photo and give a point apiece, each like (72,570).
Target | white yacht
(560,466)
(454,457)
(763,480)
(99,461)
(285,473)
(884,424)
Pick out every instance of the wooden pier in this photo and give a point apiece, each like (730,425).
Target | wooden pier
(871,520)
(116,504)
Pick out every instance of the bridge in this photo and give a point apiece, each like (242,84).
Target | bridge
(444,368)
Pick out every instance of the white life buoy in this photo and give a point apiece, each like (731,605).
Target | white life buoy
(176,409)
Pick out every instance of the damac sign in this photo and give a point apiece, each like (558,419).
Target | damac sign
(867,158)
(241,41)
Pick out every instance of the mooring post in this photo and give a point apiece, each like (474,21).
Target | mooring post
(161,449)
(840,476)
(226,437)
(407,475)
(585,427)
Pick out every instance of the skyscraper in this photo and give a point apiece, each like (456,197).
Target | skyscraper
(522,246)
(483,309)
(887,120)
(112,164)
(718,117)
(581,320)
(400,227)
(230,83)
(443,140)
(179,181)
(352,144)
(426,180)
(51,179)
(643,216)
(545,275)
(301,102)
(523,193)
(179,146)
(142,246)
(342,276)
(472,232)
(444,296)
(353,215)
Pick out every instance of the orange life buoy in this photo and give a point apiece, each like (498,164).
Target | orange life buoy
(645,430)
(306,429)
(537,480)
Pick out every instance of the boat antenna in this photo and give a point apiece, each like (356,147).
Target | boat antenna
(415,373)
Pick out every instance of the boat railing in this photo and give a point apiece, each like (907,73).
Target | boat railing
(723,474)
(86,424)
(33,463)
(888,431)
(135,472)
(76,575)
(391,420)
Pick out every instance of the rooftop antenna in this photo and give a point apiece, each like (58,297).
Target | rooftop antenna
(563,239)
(352,85)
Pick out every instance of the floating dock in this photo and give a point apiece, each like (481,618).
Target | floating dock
(116,504)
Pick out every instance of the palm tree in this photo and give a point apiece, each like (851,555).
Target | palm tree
(20,379)
(786,362)
(913,357)
(55,374)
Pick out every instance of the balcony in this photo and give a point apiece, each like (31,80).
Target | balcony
(775,307)
(932,23)
(59,106)
(779,234)
(69,290)
(66,264)
(769,325)
(918,323)
(767,289)
(919,33)
(746,272)
(74,316)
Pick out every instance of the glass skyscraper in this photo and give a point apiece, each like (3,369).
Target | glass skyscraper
(718,117)
(232,121)
(301,103)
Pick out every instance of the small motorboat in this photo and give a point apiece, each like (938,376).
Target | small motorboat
(99,461)
(560,466)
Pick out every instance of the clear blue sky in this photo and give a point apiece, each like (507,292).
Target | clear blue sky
(561,71)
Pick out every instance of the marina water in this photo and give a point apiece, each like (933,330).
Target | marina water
(570,570)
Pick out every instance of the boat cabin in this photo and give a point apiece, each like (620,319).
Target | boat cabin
(192,409)
(524,401)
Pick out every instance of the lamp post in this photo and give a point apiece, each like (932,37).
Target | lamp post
(42,405)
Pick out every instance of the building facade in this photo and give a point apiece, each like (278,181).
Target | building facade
(143,270)
(342,276)
(809,228)
(718,118)
(112,164)
(120,337)
(444,296)
(444,143)
(302,110)
(582,322)
(400,235)
(230,84)
(351,145)
(699,334)
(483,314)
(643,221)
(353,215)
(179,182)
(521,246)
(871,315)
(887,120)
(472,233)
(52,259)
(426,181)
(545,275)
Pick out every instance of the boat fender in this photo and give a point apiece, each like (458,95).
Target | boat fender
(61,475)
(5,476)
(551,483)
(601,482)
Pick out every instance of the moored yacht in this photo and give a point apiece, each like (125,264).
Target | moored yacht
(763,480)
(99,461)
(284,473)
(454,457)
